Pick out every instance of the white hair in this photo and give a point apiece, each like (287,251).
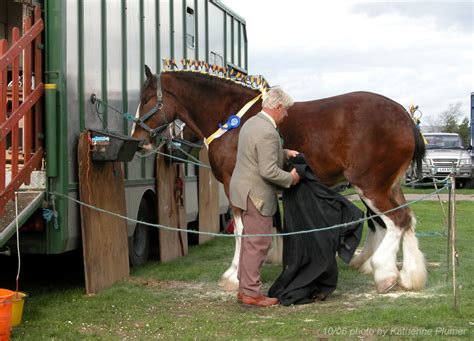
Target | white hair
(273,97)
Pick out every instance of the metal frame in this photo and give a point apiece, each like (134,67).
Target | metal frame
(67,22)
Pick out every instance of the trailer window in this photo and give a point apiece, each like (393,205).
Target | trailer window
(216,59)
(190,22)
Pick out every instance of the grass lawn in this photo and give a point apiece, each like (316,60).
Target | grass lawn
(181,299)
(426,189)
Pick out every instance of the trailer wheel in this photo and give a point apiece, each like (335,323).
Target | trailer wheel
(470,183)
(139,244)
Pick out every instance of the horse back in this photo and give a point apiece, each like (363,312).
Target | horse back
(351,136)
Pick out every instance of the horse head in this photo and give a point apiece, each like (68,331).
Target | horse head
(157,109)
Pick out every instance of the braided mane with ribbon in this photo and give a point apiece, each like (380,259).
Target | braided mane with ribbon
(232,75)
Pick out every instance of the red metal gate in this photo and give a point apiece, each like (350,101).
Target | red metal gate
(20,105)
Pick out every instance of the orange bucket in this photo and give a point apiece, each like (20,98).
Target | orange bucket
(6,297)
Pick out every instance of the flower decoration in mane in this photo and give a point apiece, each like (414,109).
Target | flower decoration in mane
(214,70)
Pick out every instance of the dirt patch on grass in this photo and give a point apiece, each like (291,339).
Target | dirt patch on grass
(197,290)
(204,291)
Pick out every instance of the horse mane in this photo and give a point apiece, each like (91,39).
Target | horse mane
(216,73)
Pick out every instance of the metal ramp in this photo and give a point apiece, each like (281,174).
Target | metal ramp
(30,198)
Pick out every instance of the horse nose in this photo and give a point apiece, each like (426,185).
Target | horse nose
(144,146)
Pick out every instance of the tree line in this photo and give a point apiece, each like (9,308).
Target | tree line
(452,120)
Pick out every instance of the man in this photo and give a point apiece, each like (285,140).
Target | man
(257,176)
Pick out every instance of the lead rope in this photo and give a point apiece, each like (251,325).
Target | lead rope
(17,245)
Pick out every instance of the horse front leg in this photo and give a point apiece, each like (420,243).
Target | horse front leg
(229,280)
(413,275)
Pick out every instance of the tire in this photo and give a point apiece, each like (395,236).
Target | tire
(470,183)
(460,184)
(139,244)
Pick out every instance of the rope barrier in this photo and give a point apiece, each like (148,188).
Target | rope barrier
(155,151)
(193,160)
(97,102)
(169,228)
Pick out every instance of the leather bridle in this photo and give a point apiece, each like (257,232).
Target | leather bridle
(140,121)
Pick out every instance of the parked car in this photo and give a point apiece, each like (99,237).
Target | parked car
(445,154)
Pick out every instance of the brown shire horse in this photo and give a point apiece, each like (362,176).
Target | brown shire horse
(362,137)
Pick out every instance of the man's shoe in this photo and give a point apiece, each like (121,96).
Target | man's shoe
(258,301)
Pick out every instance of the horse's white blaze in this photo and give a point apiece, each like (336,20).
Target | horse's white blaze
(137,115)
(384,260)
(413,274)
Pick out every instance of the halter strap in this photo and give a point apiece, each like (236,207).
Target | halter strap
(158,107)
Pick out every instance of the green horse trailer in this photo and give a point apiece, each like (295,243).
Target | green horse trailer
(84,47)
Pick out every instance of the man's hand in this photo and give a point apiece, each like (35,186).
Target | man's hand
(295,176)
(292,153)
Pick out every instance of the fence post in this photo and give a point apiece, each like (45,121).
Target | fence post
(452,235)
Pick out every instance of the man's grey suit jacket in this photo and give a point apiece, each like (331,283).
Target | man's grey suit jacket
(258,171)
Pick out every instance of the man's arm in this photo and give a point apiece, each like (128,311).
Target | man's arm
(267,156)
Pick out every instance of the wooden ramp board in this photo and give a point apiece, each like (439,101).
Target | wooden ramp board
(171,209)
(208,200)
(104,236)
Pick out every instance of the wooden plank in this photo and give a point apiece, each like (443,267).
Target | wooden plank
(208,200)
(17,113)
(3,115)
(171,209)
(16,49)
(104,237)
(15,102)
(27,66)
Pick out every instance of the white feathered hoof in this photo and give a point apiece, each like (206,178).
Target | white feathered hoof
(414,280)
(229,284)
(387,285)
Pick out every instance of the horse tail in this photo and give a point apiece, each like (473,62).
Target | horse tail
(420,150)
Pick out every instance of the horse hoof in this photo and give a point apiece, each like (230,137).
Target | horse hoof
(227,285)
(386,286)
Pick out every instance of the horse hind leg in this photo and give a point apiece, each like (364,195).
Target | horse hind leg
(413,275)
(229,280)
(384,259)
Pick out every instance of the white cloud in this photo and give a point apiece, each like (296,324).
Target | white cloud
(417,52)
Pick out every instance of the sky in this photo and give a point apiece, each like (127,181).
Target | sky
(414,52)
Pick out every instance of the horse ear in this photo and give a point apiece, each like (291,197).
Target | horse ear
(148,72)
